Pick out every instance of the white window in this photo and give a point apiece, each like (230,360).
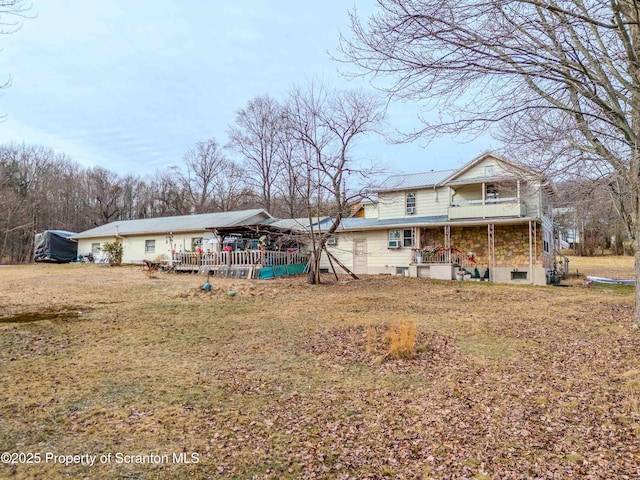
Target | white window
(196,242)
(410,203)
(95,248)
(489,171)
(408,237)
(404,238)
(150,246)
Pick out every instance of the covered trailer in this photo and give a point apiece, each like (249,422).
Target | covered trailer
(55,246)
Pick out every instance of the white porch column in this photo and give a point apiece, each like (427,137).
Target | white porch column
(447,242)
(491,249)
(531,235)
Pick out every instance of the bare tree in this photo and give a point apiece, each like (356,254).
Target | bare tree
(290,185)
(202,165)
(27,198)
(11,13)
(561,76)
(230,191)
(255,137)
(103,193)
(169,198)
(327,124)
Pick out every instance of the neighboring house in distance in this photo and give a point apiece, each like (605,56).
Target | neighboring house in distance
(427,225)
(150,238)
(567,232)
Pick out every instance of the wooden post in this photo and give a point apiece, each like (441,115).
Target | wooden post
(331,262)
(330,255)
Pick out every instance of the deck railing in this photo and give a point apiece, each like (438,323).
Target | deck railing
(239,258)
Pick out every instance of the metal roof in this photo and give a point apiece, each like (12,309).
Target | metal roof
(415,180)
(352,224)
(295,223)
(373,223)
(182,223)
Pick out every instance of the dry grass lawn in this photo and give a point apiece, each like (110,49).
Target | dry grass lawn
(286,380)
(606,266)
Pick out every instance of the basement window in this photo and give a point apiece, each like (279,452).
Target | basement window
(518,275)
(404,271)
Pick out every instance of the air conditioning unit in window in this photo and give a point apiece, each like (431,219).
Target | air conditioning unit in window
(332,241)
(394,244)
(411,210)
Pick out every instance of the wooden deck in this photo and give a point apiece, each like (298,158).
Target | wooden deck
(241,263)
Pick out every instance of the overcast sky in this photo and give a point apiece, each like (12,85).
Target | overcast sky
(132,85)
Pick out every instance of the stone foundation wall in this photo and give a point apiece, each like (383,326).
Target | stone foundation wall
(511,243)
(432,236)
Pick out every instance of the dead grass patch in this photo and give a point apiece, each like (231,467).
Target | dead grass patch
(281,381)
(610,266)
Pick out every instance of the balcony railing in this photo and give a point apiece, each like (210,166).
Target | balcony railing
(504,207)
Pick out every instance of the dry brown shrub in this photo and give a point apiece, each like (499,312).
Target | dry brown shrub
(402,339)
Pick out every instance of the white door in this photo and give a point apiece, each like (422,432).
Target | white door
(360,256)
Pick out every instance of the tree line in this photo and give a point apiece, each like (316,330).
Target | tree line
(292,158)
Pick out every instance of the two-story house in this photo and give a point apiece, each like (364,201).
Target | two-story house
(491,214)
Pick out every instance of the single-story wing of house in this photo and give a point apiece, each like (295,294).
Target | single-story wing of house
(151,238)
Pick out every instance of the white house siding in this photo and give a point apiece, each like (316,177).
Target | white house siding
(432,202)
(84,244)
(532,194)
(429,202)
(479,171)
(133,247)
(391,205)
(371,210)
(380,259)
(467,193)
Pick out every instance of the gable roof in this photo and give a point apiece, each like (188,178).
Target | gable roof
(415,180)
(181,223)
(481,158)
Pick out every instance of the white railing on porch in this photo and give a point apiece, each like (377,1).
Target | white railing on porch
(444,256)
(238,258)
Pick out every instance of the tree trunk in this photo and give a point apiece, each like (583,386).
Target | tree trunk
(636,259)
(313,277)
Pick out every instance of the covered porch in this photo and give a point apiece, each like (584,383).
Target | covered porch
(506,251)
(244,252)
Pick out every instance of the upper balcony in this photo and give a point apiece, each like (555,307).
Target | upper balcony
(494,208)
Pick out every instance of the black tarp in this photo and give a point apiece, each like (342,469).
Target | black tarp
(55,246)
